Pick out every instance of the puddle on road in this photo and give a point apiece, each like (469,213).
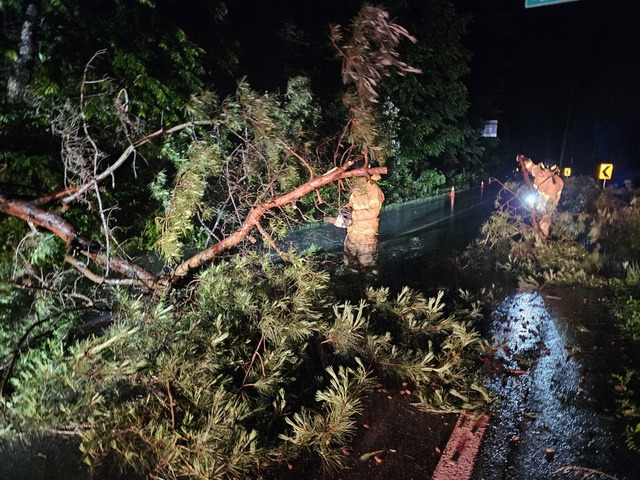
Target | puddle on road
(555,405)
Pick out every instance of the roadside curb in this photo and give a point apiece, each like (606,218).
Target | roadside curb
(461,451)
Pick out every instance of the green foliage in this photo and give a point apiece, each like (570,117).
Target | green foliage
(629,311)
(513,245)
(424,185)
(213,384)
(148,56)
(245,159)
(48,247)
(22,174)
(432,349)
(626,306)
(629,405)
(193,176)
(37,380)
(143,68)
(320,431)
(45,392)
(616,227)
(302,112)
(429,129)
(579,194)
(11,231)
(626,301)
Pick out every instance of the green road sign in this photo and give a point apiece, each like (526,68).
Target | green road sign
(542,3)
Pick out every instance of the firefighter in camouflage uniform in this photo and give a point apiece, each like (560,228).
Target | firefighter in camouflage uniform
(548,185)
(360,217)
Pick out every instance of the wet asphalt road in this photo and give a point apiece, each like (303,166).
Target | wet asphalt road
(416,241)
(555,414)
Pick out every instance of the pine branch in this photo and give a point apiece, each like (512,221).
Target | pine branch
(259,211)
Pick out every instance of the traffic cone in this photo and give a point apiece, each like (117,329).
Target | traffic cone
(453,192)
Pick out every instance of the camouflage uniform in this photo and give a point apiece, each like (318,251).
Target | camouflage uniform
(365,203)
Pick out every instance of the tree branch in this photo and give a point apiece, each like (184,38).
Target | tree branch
(65,231)
(257,212)
(72,193)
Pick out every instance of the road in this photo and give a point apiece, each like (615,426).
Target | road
(416,239)
(555,414)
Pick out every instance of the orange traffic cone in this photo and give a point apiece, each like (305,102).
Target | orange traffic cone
(453,192)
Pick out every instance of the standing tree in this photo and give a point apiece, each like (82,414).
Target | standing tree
(427,113)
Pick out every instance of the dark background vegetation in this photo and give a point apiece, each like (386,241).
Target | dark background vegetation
(559,79)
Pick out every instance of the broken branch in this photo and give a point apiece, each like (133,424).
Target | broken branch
(257,212)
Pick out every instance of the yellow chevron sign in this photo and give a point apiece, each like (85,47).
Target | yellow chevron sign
(605,171)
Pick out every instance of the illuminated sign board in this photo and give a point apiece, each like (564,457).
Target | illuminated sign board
(566,172)
(490,128)
(605,171)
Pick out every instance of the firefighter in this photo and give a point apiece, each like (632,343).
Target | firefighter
(548,185)
(361,219)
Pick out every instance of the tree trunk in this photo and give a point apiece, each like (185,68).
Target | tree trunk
(21,75)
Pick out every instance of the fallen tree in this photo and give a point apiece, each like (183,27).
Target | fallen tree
(77,245)
(239,164)
(221,377)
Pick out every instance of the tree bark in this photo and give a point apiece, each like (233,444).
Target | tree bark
(19,78)
(31,213)
(75,243)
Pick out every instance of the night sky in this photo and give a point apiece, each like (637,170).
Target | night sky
(568,80)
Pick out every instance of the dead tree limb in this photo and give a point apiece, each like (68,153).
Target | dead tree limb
(72,193)
(75,243)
